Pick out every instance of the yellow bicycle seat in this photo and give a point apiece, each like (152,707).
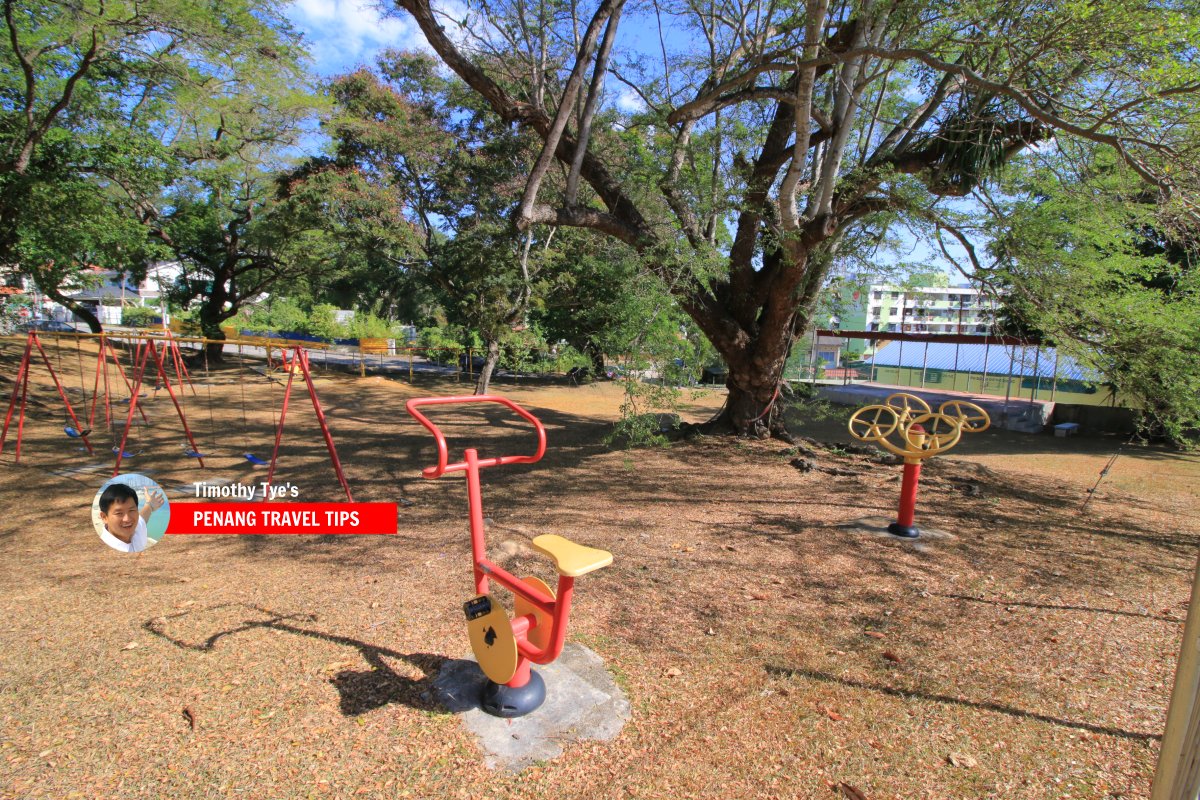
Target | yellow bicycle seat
(569,558)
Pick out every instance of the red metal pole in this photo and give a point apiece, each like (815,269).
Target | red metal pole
(21,418)
(187,376)
(107,390)
(178,409)
(181,370)
(62,393)
(96,385)
(908,493)
(16,392)
(279,432)
(121,370)
(299,355)
(139,367)
(475,506)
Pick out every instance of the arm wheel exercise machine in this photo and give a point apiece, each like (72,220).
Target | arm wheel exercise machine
(923,434)
(506,648)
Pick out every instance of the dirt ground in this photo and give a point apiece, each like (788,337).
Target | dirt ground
(769,648)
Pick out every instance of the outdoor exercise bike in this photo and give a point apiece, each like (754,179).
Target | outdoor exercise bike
(922,434)
(506,648)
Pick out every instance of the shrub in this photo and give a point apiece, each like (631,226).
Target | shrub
(140,317)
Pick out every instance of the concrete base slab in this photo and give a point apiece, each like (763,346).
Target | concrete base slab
(877,527)
(582,702)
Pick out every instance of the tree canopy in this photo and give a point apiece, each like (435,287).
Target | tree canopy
(103,104)
(1092,262)
(771,133)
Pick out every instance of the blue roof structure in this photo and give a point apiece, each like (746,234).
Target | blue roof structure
(995,359)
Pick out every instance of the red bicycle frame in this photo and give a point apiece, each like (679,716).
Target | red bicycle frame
(557,608)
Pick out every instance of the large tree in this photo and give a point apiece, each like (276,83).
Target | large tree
(773,130)
(104,103)
(456,172)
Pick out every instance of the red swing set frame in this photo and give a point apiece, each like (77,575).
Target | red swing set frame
(21,389)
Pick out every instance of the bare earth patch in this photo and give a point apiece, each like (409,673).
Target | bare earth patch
(767,649)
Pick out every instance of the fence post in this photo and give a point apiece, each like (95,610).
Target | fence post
(983,383)
(1177,776)
(1054,382)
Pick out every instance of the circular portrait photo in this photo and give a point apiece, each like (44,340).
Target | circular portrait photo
(130,513)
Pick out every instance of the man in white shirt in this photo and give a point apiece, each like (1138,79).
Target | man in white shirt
(124,525)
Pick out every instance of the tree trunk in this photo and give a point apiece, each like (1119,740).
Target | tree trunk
(75,308)
(84,313)
(489,365)
(753,408)
(210,328)
(596,356)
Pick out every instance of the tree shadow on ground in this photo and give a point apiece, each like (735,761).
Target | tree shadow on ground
(907,694)
(360,690)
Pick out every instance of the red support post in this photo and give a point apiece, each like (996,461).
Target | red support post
(139,367)
(301,356)
(178,408)
(908,493)
(61,393)
(475,508)
(121,371)
(287,393)
(21,418)
(22,375)
(100,357)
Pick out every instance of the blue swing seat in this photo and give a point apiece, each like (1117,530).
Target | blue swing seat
(253,459)
(74,434)
(123,453)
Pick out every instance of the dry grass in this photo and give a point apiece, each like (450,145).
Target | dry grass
(1037,646)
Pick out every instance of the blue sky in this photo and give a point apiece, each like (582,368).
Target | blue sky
(344,34)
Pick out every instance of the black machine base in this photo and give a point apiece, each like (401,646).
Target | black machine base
(506,701)
(904,531)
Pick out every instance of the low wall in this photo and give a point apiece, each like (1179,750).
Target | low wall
(1097,419)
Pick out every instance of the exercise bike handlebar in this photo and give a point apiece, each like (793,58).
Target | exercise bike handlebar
(441,468)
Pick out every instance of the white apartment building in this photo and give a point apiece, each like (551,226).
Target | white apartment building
(928,309)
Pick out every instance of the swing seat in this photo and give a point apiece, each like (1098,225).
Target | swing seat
(253,459)
(123,453)
(194,454)
(74,434)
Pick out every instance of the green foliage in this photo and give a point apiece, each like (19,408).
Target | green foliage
(442,344)
(140,317)
(644,406)
(369,326)
(323,323)
(1099,268)
(106,104)
(280,314)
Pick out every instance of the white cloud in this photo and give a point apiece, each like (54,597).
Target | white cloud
(629,101)
(343,34)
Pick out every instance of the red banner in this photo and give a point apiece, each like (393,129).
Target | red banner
(282,518)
